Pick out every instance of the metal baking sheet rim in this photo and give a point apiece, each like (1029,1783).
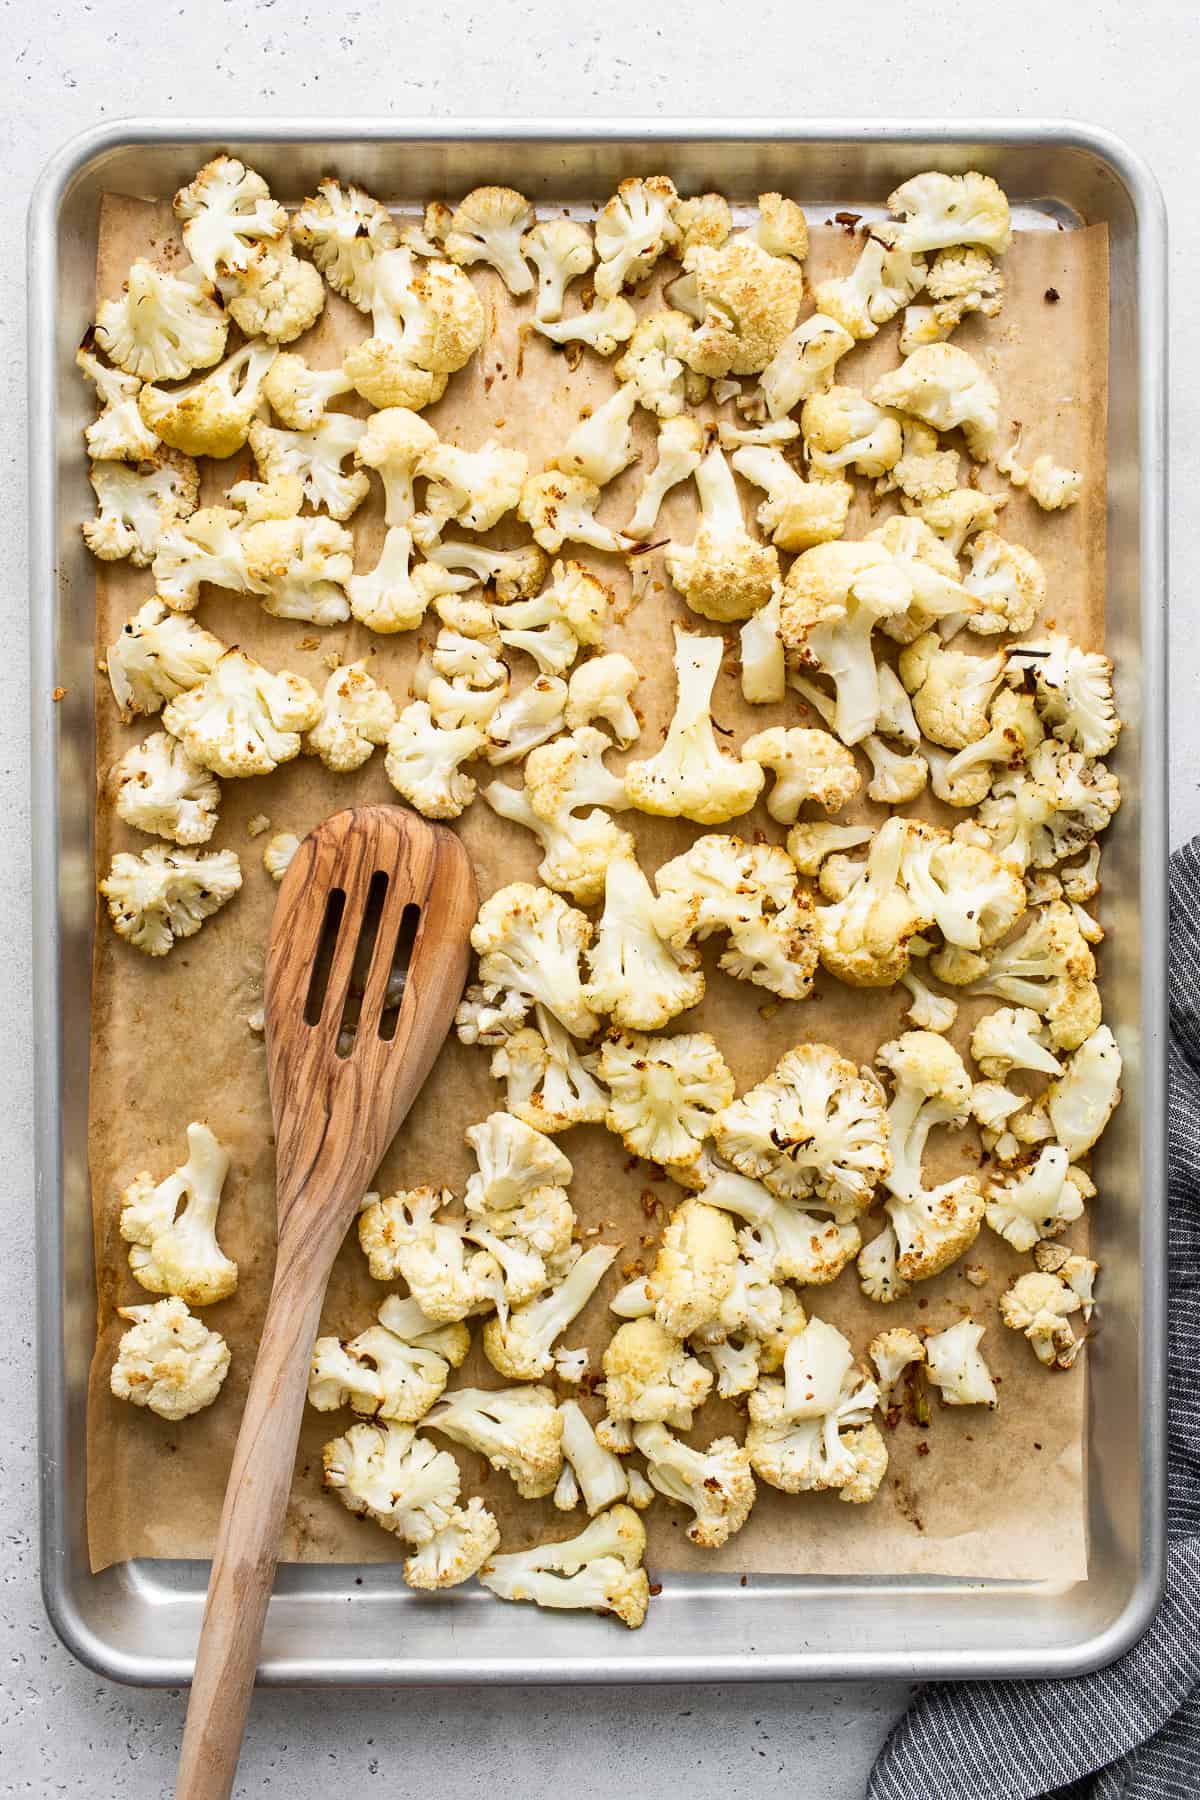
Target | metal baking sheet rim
(133,1630)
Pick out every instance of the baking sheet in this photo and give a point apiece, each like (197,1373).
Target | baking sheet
(170,1041)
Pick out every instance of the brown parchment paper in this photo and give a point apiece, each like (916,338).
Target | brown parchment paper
(978,1494)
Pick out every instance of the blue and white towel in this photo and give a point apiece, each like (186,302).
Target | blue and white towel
(1132,1731)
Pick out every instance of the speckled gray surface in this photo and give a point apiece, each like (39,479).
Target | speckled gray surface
(62,1732)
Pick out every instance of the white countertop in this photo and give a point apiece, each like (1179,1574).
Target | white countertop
(65,67)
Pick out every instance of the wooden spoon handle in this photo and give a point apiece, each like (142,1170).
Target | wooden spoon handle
(247,1545)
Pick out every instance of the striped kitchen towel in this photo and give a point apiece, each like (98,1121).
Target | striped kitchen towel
(1131,1731)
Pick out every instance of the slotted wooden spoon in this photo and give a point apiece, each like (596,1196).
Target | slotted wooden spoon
(375,901)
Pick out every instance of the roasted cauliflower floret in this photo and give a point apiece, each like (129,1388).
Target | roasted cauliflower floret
(300,568)
(162,326)
(242,719)
(522,1345)
(119,433)
(408,1235)
(487,226)
(1012,1038)
(599,1570)
(844,430)
(157,655)
(694,1269)
(1039,1202)
(1073,692)
(680,453)
(881,282)
(724,573)
(138,506)
(951,691)
(171,1226)
(746,301)
(807,765)
(548,1083)
(315,456)
(561,251)
(530,941)
(812,1431)
(814,1130)
(945,387)
(716,1484)
(664,1093)
(602,688)
(603,327)
(833,598)
(959,281)
(168,1361)
(636,976)
(394,1370)
(893,1351)
(1040,1303)
(163,895)
(298,395)
(649,1377)
(559,507)
(345,229)
(356,715)
(160,789)
(655,364)
(804,363)
(427,321)
(633,229)
(474,487)
(722,884)
(691,776)
(943,210)
(955,1366)
(424,762)
(865,935)
(796,513)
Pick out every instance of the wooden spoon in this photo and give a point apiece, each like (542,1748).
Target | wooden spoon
(370,891)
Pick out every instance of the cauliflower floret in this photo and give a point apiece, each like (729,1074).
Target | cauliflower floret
(397,444)
(601,445)
(558,507)
(1038,1203)
(789,1244)
(278,297)
(804,364)
(955,514)
(138,506)
(525,720)
(956,1367)
(844,430)
(716,1484)
(548,1084)
(489,1015)
(655,364)
(119,433)
(162,895)
(389,599)
(403,1236)
(456,1552)
(452,568)
(636,976)
(931,1087)
(764,667)
(561,251)
(168,1361)
(158,655)
(600,1475)
(522,1346)
(878,1268)
(487,226)
(665,1092)
(514,1160)
(959,281)
(530,941)
(299,395)
(300,568)
(746,300)
(892,1351)
(390,1475)
(807,765)
(940,211)
(207,547)
(424,762)
(1012,1038)
(316,456)
(599,1570)
(356,715)
(722,884)
(797,513)
(345,229)
(815,1129)
(680,453)
(1039,1305)
(895,778)
(475,487)
(932,570)
(160,789)
(278,852)
(601,689)
(633,229)
(603,327)
(1074,692)
(394,1370)
(426,322)
(258,501)
(1051,809)
(965,778)
(212,415)
(242,719)
(1052,487)
(576,853)
(553,625)
(691,776)
(951,691)
(808,845)
(702,219)
(925,475)
(1083,1098)
(462,678)
(175,1251)
(162,326)
(945,387)
(833,598)
(1049,969)
(970,895)
(880,283)
(694,1269)
(865,936)
(1009,583)
(812,1431)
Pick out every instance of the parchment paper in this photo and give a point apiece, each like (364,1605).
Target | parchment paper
(977,1494)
